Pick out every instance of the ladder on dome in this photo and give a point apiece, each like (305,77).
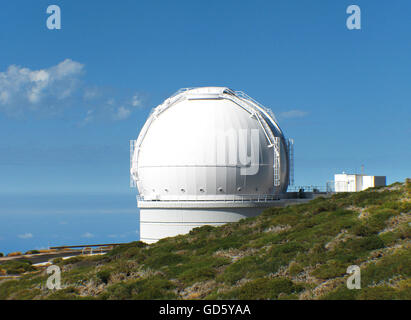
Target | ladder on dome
(133,163)
(290,147)
(276,150)
(277,161)
(273,142)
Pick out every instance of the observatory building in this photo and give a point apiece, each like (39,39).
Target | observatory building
(207,156)
(357,182)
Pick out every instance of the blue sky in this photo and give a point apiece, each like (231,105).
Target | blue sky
(71,99)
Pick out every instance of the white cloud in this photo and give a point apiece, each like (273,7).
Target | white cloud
(41,248)
(66,69)
(91,93)
(293,114)
(122,235)
(53,90)
(22,88)
(25,236)
(122,113)
(136,101)
(88,235)
(4,97)
(88,118)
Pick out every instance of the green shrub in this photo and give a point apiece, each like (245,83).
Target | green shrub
(331,269)
(201,231)
(33,252)
(342,293)
(401,233)
(378,218)
(363,230)
(354,249)
(295,268)
(398,263)
(365,244)
(408,186)
(324,206)
(263,289)
(198,268)
(72,260)
(128,250)
(57,260)
(197,275)
(381,293)
(146,289)
(18,289)
(69,293)
(164,259)
(289,247)
(15,267)
(104,275)
(248,267)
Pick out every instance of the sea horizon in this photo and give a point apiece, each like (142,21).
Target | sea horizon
(57,219)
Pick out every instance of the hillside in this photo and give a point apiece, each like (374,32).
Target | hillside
(297,252)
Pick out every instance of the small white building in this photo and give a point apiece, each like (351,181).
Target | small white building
(357,182)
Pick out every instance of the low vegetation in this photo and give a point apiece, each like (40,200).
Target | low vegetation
(33,252)
(297,252)
(14,254)
(16,267)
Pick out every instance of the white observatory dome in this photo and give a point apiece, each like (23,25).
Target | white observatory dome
(207,146)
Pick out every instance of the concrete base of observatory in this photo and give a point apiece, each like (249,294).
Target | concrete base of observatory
(162,219)
(158,221)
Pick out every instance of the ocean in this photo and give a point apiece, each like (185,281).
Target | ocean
(37,221)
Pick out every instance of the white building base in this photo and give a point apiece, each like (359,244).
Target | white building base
(158,221)
(162,219)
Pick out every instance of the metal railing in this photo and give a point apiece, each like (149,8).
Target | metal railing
(326,188)
(226,198)
(243,95)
